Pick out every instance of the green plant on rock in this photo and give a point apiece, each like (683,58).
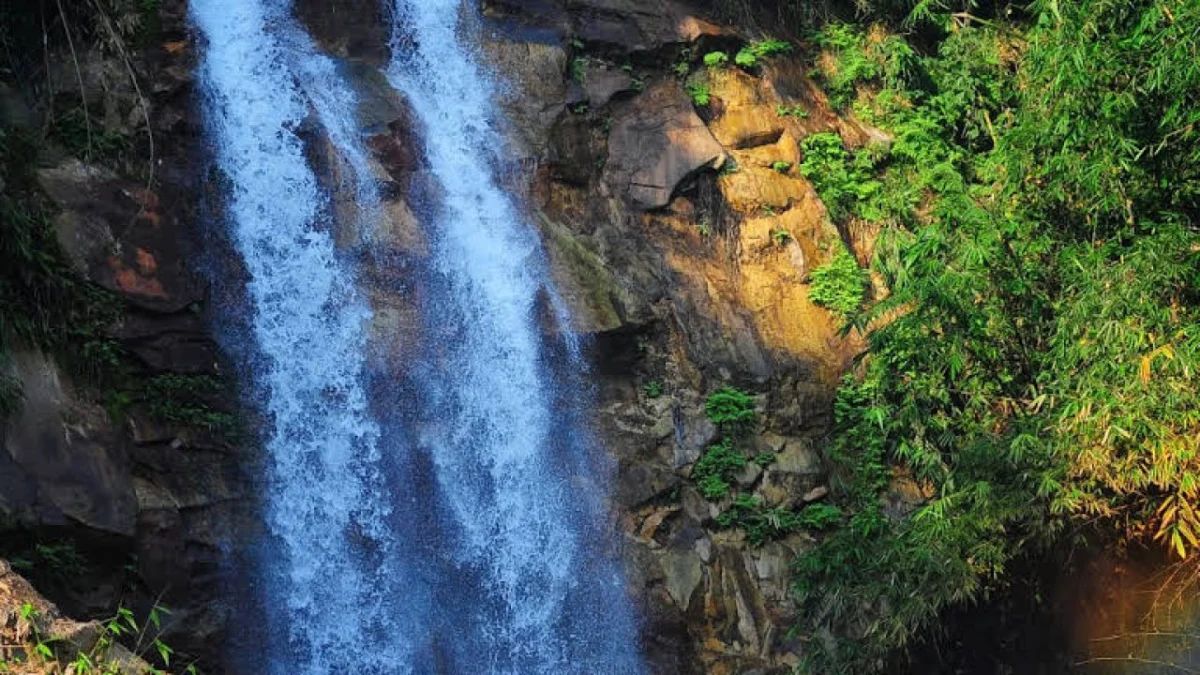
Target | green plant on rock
(731,409)
(749,56)
(700,94)
(780,236)
(762,524)
(579,69)
(683,63)
(839,285)
(716,469)
(781,166)
(796,111)
(846,182)
(653,389)
(186,399)
(716,59)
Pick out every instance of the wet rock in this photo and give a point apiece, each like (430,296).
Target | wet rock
(657,144)
(536,91)
(353,29)
(573,150)
(177,343)
(119,236)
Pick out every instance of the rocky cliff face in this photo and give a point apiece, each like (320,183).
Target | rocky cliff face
(680,235)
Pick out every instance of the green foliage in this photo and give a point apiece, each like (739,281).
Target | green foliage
(87,138)
(796,111)
(700,94)
(781,166)
(683,63)
(143,639)
(863,58)
(762,524)
(716,59)
(839,285)
(730,409)
(780,236)
(579,69)
(653,389)
(1033,366)
(749,56)
(764,459)
(187,400)
(716,469)
(845,181)
(43,302)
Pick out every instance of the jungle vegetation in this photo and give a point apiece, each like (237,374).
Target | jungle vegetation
(1034,337)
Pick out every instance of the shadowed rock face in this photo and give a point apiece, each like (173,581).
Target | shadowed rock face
(352,29)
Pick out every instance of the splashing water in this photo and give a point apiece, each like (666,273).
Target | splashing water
(514,578)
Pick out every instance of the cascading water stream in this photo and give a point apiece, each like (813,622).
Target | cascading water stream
(322,485)
(545,601)
(507,572)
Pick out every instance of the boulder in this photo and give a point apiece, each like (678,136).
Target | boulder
(536,90)
(656,144)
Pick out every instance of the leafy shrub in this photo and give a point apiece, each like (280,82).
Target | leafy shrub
(796,111)
(717,468)
(762,524)
(845,183)
(700,94)
(716,59)
(748,56)
(730,408)
(858,59)
(839,285)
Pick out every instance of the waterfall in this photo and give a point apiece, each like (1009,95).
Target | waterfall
(494,558)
